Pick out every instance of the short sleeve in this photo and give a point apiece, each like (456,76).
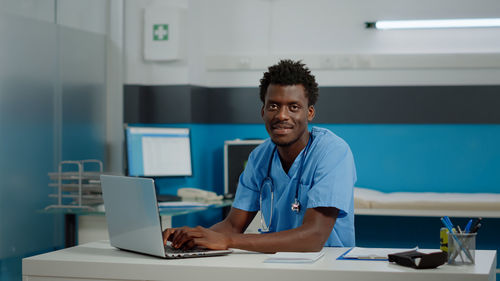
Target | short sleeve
(334,178)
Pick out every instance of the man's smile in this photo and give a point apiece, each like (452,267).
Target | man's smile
(281,128)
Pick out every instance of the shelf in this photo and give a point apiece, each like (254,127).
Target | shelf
(162,211)
(75,175)
(84,196)
(76,186)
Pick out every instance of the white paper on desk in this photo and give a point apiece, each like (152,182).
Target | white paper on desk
(182,205)
(373,253)
(294,257)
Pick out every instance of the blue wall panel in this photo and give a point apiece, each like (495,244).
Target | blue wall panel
(440,158)
(395,157)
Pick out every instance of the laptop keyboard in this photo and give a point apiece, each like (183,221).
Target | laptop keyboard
(171,250)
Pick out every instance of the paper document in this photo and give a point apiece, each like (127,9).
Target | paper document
(166,155)
(360,253)
(294,257)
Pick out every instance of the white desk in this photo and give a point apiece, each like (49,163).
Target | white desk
(99,261)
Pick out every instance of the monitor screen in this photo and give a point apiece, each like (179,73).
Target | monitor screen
(154,151)
(236,154)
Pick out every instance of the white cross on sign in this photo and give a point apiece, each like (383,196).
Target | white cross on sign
(160,32)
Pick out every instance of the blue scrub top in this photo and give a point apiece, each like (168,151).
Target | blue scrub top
(328,177)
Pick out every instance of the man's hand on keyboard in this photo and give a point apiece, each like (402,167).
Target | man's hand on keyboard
(188,237)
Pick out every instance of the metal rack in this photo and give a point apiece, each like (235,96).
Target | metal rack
(78,187)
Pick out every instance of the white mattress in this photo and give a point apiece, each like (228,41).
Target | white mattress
(365,198)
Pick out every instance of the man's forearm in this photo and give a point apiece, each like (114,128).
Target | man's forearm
(222,227)
(311,236)
(293,240)
(236,222)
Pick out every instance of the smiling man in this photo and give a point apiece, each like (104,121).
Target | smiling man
(301,181)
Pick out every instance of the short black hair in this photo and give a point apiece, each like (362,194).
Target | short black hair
(289,72)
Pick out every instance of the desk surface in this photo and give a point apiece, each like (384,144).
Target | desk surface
(98,260)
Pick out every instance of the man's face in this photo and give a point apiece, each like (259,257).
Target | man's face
(286,114)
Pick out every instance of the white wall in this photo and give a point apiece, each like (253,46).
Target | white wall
(230,42)
(137,70)
(43,10)
(88,15)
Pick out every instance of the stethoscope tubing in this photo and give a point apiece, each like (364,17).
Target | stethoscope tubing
(295,206)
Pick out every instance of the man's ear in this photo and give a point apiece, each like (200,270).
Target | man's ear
(262,112)
(311,112)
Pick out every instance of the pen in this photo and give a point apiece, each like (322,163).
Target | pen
(476,223)
(467,227)
(476,228)
(447,221)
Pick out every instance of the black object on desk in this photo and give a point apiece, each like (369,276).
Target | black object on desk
(167,198)
(419,260)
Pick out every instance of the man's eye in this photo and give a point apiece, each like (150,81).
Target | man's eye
(294,107)
(272,107)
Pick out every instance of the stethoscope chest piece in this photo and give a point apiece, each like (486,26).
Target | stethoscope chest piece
(296,206)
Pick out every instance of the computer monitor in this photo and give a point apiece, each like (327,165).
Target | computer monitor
(236,154)
(157,151)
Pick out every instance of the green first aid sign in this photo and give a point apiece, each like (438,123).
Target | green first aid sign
(160,32)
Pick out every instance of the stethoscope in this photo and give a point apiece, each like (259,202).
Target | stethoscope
(295,206)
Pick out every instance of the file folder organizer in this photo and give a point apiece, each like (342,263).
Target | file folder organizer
(77,184)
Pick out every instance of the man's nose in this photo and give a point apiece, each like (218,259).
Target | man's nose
(282,113)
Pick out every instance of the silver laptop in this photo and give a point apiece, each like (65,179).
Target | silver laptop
(134,221)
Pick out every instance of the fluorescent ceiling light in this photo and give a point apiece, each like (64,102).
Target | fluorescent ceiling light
(447,23)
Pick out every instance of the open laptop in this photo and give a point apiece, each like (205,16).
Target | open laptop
(134,221)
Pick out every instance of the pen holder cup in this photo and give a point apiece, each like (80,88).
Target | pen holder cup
(461,248)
